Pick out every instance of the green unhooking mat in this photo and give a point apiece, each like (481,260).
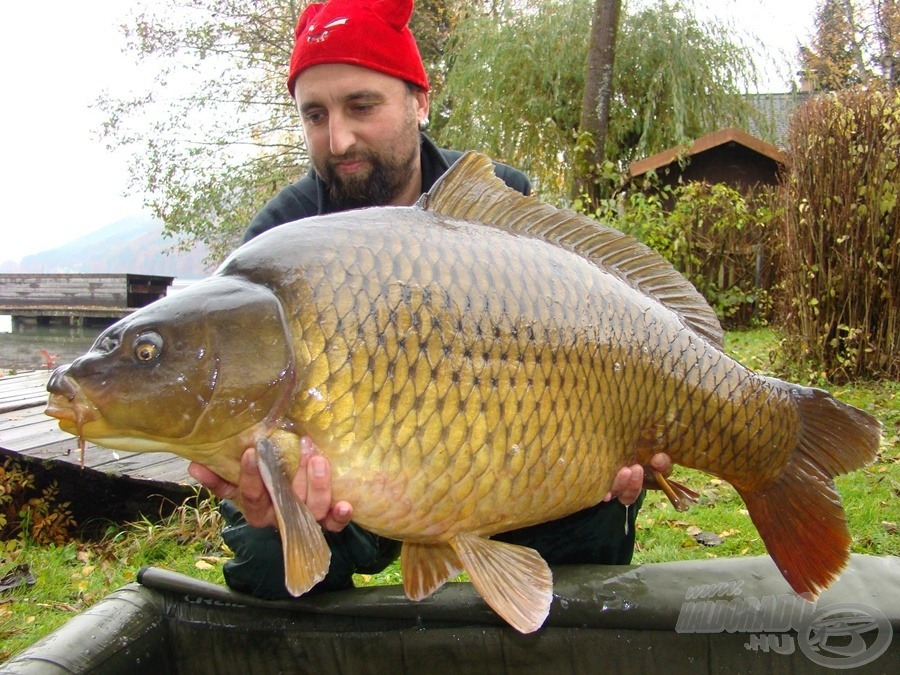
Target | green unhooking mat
(714,616)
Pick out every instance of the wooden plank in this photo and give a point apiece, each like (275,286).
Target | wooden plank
(25,380)
(24,390)
(27,418)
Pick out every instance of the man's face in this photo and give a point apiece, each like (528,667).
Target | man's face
(362,133)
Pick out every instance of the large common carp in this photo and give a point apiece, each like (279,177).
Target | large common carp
(473,364)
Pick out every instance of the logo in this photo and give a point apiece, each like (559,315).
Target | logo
(834,638)
(840,635)
(313,34)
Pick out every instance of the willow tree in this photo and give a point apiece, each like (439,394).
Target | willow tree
(516,76)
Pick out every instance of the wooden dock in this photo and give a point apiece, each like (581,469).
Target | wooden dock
(78,299)
(111,484)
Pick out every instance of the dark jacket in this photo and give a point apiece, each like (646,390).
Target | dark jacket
(309,196)
(603,534)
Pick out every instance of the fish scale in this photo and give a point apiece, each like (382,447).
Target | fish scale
(471,365)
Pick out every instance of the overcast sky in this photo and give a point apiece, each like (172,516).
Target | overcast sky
(58,179)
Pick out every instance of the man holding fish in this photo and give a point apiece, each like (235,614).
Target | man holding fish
(362,102)
(482,371)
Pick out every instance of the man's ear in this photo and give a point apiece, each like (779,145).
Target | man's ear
(423,106)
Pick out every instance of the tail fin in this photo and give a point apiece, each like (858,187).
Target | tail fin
(799,516)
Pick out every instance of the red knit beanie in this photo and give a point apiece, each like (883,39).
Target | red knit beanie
(368,33)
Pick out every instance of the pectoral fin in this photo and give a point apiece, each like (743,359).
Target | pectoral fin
(514,580)
(427,567)
(306,553)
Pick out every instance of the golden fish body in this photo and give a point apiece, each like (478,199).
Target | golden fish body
(469,366)
(507,399)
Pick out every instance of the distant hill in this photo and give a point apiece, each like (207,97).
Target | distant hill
(131,245)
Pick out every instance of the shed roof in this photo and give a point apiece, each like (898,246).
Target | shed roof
(704,143)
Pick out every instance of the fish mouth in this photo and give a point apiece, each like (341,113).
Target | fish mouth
(69,404)
(71,419)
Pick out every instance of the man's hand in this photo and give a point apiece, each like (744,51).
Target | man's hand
(312,484)
(629,480)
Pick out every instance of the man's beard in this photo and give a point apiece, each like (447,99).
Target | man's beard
(386,179)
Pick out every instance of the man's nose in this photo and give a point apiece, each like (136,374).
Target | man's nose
(340,135)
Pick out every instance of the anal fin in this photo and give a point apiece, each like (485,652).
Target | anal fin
(306,553)
(427,567)
(514,580)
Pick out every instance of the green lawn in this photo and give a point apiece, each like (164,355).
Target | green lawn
(69,578)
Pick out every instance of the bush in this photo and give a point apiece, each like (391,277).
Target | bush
(30,512)
(720,239)
(840,262)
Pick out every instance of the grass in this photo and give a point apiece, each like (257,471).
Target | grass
(870,495)
(70,578)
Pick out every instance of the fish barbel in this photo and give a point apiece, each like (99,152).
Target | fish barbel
(471,365)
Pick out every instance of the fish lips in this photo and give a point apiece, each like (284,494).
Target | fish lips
(68,403)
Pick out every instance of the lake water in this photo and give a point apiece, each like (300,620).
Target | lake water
(20,347)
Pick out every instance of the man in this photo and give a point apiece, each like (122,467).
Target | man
(362,93)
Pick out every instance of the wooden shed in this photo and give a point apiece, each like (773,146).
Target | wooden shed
(729,156)
(78,297)
(736,262)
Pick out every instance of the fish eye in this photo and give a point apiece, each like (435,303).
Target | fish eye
(147,347)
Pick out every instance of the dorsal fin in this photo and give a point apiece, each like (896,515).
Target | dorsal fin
(470,190)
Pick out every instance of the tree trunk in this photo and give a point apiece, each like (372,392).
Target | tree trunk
(853,40)
(595,105)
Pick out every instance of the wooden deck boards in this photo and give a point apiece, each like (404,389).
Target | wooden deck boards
(25,431)
(24,390)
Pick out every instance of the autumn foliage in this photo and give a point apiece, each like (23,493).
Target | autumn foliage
(841,240)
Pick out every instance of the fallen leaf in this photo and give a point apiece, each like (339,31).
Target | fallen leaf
(203,565)
(890,526)
(693,530)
